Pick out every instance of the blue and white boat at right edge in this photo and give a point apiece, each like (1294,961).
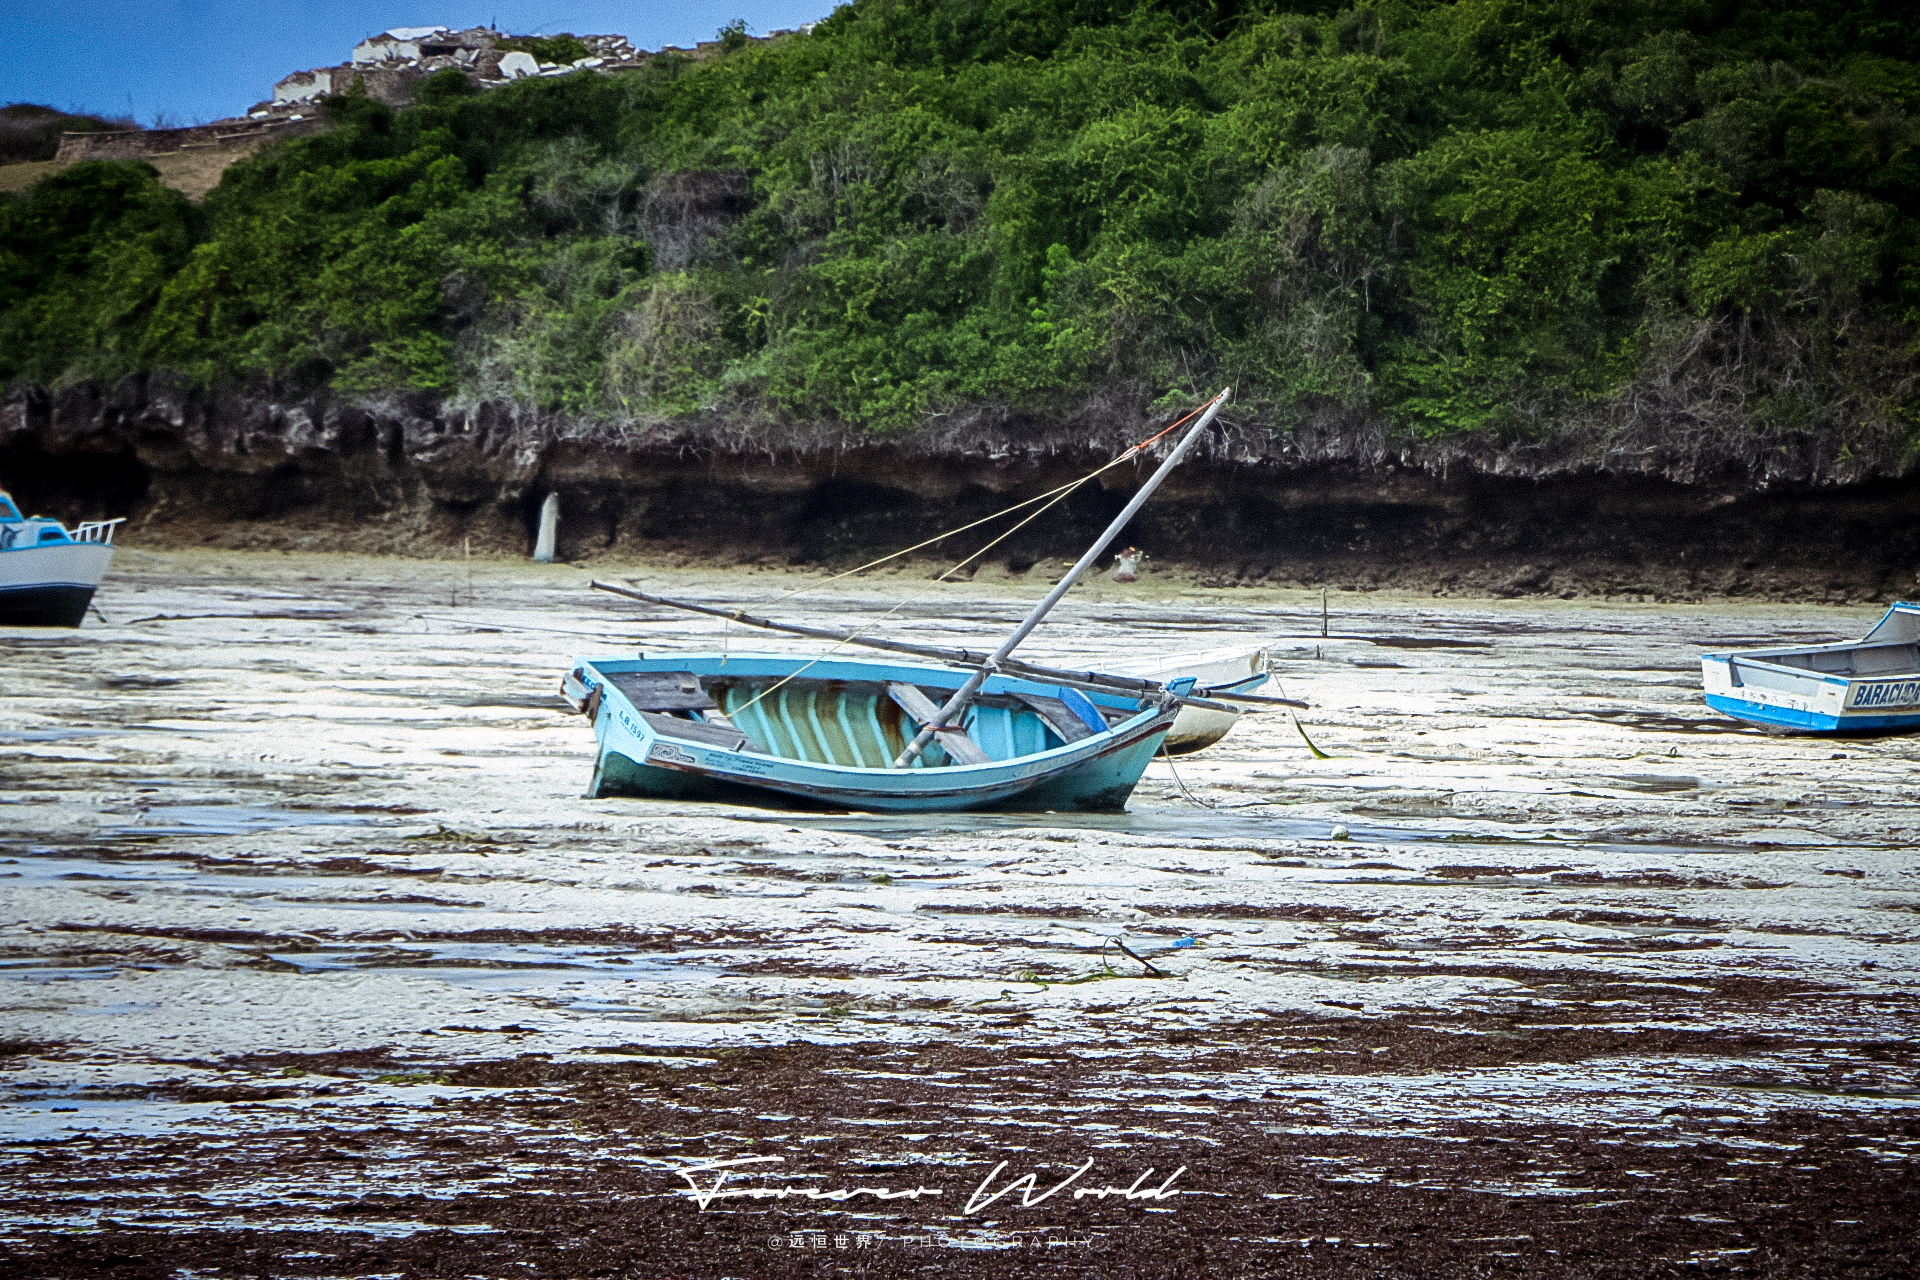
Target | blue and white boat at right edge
(48,574)
(1869,685)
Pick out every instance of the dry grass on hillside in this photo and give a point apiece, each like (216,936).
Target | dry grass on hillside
(192,173)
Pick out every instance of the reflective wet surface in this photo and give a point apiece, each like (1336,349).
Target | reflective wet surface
(312,952)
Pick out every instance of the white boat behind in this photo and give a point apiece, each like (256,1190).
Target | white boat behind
(1233,669)
(48,573)
(1869,685)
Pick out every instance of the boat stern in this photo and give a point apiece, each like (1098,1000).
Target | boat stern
(1772,696)
(1105,783)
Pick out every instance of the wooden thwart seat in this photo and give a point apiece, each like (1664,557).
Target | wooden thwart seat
(662,690)
(708,735)
(1058,715)
(952,738)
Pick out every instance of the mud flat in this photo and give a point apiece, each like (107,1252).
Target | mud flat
(316,964)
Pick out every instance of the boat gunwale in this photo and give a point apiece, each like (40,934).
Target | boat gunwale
(1190,658)
(1118,701)
(1818,677)
(1760,655)
(1067,755)
(1798,673)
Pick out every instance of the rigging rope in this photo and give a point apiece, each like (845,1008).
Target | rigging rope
(1057,496)
(839,644)
(1127,456)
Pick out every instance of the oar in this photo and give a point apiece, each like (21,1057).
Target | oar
(1099,682)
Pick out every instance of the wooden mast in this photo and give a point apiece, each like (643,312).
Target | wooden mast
(964,694)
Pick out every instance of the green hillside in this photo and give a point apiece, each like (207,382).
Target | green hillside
(1497,216)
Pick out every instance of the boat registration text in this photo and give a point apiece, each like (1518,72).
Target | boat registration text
(1887,693)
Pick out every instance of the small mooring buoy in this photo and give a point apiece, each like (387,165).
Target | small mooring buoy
(549,530)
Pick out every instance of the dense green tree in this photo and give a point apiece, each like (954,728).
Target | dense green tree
(84,257)
(1482,218)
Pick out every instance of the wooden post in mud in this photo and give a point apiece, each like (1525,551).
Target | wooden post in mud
(549,530)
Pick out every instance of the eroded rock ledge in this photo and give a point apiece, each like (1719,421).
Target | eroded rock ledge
(1331,504)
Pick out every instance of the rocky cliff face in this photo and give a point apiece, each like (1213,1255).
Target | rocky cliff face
(420,477)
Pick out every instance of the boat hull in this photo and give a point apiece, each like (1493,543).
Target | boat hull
(1230,670)
(1097,773)
(50,586)
(1797,720)
(1100,786)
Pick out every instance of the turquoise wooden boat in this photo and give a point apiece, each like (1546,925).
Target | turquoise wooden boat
(712,726)
(1869,685)
(962,731)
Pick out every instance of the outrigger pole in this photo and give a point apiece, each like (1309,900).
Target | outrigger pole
(964,694)
(1098,681)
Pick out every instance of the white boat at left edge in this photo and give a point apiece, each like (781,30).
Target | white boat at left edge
(48,573)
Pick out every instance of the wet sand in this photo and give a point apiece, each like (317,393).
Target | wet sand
(317,965)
